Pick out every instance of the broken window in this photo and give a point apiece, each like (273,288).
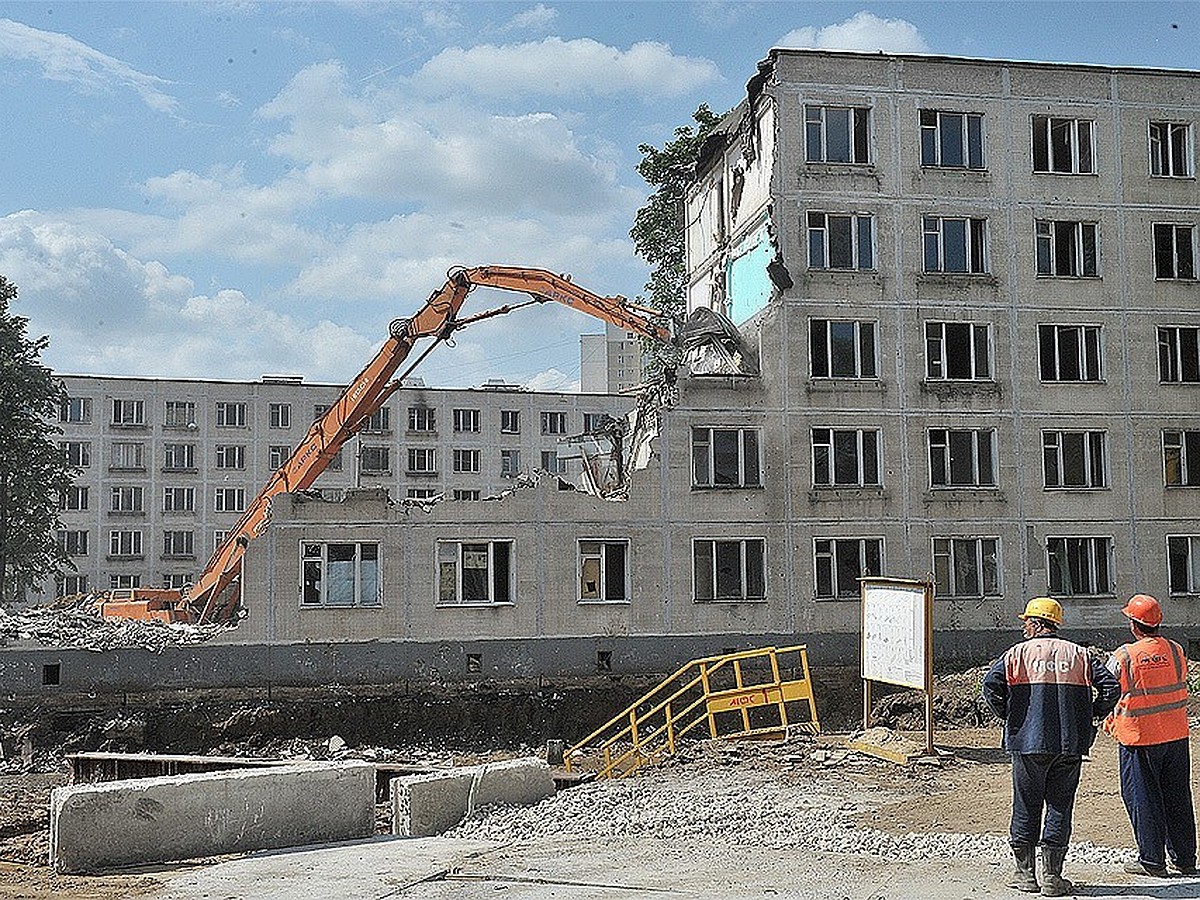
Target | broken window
(602,571)
(279,415)
(962,457)
(78,454)
(475,572)
(554,423)
(729,569)
(1181,458)
(955,246)
(466,460)
(126,498)
(1171,149)
(231,415)
(841,562)
(1183,564)
(179,499)
(725,457)
(1070,352)
(466,420)
(179,457)
(966,567)
(510,463)
(179,543)
(837,134)
(1074,459)
(841,241)
(1178,354)
(128,455)
(1174,252)
(1064,146)
(74,498)
(128,412)
(842,349)
(180,414)
(422,461)
(73,543)
(231,456)
(76,410)
(510,421)
(845,457)
(375,460)
(1067,249)
(957,351)
(125,543)
(1079,565)
(951,140)
(340,574)
(421,418)
(229,499)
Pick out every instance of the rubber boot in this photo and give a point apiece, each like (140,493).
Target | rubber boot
(1053,883)
(1025,878)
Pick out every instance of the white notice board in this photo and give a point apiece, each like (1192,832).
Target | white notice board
(895,631)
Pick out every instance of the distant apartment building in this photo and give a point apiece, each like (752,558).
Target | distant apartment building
(610,363)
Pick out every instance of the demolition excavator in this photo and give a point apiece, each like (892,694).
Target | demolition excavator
(216,594)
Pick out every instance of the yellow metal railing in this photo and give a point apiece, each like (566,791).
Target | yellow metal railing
(740,694)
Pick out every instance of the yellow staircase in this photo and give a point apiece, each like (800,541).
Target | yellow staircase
(735,695)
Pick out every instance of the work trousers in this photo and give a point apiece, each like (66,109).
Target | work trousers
(1043,781)
(1156,788)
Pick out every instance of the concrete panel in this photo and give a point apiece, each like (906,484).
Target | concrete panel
(514,782)
(152,820)
(427,805)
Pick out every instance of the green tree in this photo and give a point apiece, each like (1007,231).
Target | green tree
(658,229)
(33,471)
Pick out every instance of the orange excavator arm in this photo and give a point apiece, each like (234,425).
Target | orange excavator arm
(215,595)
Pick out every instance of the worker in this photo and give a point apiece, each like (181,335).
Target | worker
(1049,693)
(1150,724)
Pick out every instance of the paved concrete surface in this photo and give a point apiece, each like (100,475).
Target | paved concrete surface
(440,869)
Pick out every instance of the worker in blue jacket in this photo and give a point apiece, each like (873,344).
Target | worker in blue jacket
(1050,695)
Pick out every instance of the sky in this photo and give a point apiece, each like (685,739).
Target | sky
(230,189)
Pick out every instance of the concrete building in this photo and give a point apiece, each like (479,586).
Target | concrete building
(609,363)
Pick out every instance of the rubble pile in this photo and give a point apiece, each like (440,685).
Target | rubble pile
(80,626)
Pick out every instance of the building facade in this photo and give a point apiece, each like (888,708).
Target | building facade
(609,363)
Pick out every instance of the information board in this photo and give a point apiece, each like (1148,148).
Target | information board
(895,633)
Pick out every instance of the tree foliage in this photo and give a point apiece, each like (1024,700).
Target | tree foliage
(658,230)
(33,471)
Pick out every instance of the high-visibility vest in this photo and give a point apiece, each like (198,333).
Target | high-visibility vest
(1153,704)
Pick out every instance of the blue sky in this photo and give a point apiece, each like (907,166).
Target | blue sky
(231,189)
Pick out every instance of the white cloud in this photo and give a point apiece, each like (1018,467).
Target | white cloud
(862,31)
(553,380)
(534,18)
(62,58)
(555,67)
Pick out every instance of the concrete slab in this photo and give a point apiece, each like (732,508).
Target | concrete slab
(514,782)
(427,805)
(151,820)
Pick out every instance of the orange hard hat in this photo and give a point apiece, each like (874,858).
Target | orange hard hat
(1144,609)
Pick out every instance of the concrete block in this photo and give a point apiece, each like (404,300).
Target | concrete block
(427,805)
(514,782)
(151,820)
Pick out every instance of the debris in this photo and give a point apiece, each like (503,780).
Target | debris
(74,622)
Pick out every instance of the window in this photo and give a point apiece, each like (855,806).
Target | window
(842,349)
(73,543)
(552,463)
(179,499)
(1070,352)
(466,494)
(1171,149)
(375,460)
(845,457)
(962,458)
(951,140)
(1179,355)
(124,582)
(231,415)
(1174,252)
(378,422)
(231,456)
(421,418)
(279,415)
(1181,458)
(729,569)
(602,571)
(554,423)
(128,412)
(319,410)
(1080,565)
(179,543)
(126,498)
(837,134)
(1064,146)
(840,562)
(340,575)
(67,585)
(475,572)
(466,420)
(179,457)
(957,351)
(74,498)
(176,580)
(278,454)
(510,421)
(124,543)
(422,461)
(1066,249)
(1183,564)
(422,493)
(229,500)
(965,567)
(1074,459)
(725,457)
(218,540)
(510,463)
(595,422)
(957,246)
(841,241)
(78,454)
(466,460)
(129,455)
(77,410)
(180,414)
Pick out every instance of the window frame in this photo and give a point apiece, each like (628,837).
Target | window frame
(1046,241)
(127,499)
(1080,152)
(128,412)
(75,410)
(467,460)
(938,357)
(1053,441)
(601,555)
(466,421)
(947,454)
(510,463)
(321,585)
(939,139)
(118,538)
(495,581)
(975,249)
(427,459)
(422,419)
(744,561)
(184,494)
(179,543)
(857,139)
(1094,562)
(78,454)
(375,459)
(704,470)
(830,481)
(1187,152)
(230,414)
(1178,354)
(279,415)
(824,230)
(230,457)
(1179,260)
(821,337)
(179,414)
(554,422)
(171,449)
(1186,445)
(74,498)
(1191,563)
(127,456)
(1087,336)
(837,591)
(221,497)
(949,585)
(510,421)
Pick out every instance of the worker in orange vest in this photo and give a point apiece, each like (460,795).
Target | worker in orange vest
(1150,723)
